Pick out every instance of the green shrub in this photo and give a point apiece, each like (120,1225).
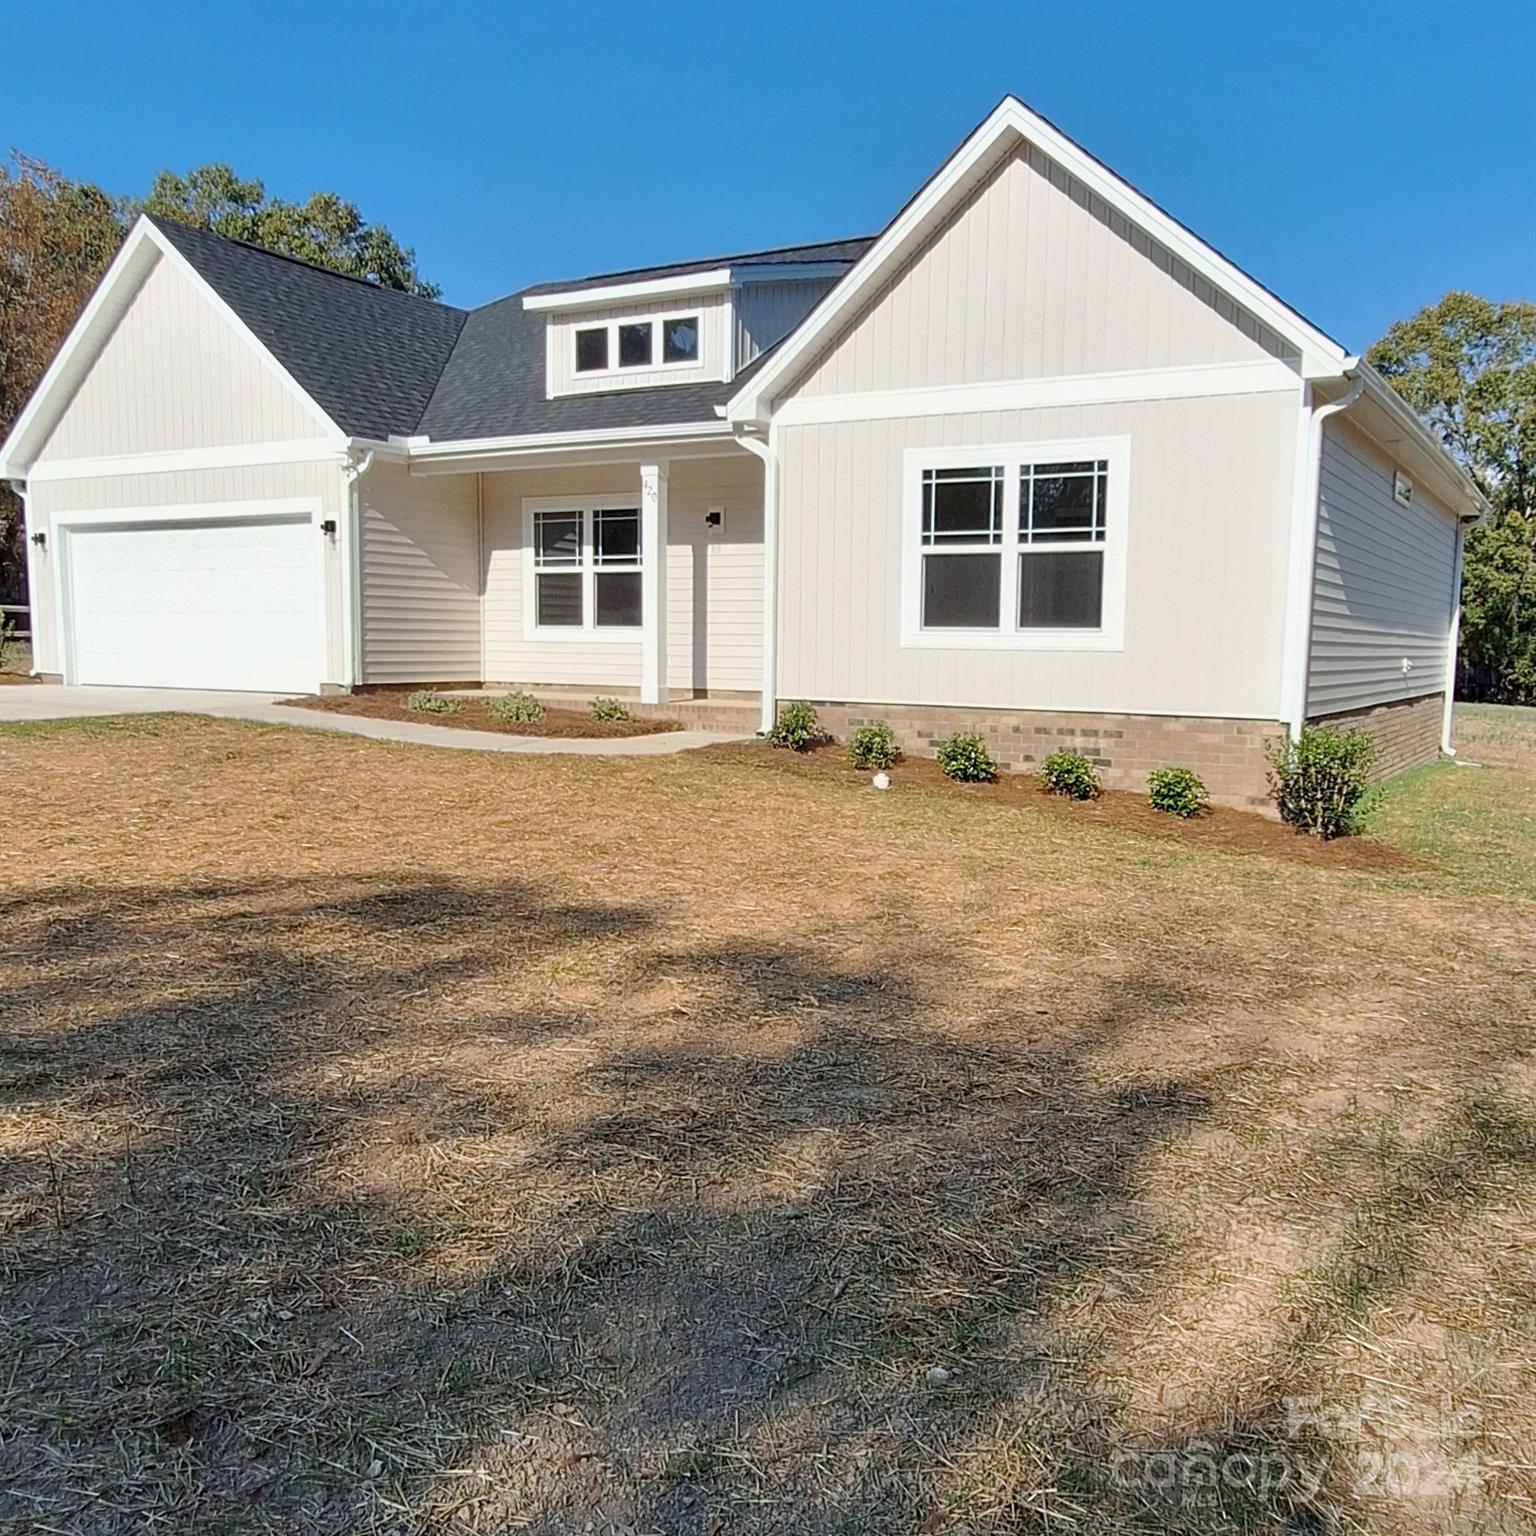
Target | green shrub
(873,746)
(1320,782)
(798,728)
(428,701)
(965,757)
(610,710)
(1069,774)
(1179,791)
(515,708)
(7,637)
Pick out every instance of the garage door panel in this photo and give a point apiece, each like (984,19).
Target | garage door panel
(212,604)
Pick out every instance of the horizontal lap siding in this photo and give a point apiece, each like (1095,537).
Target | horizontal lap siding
(1382,592)
(1208,529)
(420,566)
(714,582)
(174,374)
(319,482)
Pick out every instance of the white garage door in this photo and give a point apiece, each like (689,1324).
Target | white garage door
(212,604)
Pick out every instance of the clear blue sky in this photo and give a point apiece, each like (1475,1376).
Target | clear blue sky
(1358,156)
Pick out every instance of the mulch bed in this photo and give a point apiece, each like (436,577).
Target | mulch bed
(474,716)
(15,677)
(1217,827)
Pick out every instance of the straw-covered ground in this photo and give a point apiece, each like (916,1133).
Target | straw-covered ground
(394,1140)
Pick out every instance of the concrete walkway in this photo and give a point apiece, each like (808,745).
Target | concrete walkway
(49,701)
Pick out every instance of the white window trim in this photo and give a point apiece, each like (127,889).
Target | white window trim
(655,319)
(1110,636)
(589,630)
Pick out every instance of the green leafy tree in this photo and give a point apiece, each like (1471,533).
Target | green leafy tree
(1467,365)
(56,238)
(326,230)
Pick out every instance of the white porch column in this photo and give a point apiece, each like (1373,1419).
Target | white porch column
(653,583)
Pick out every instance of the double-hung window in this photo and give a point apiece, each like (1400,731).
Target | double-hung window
(585,564)
(1021,545)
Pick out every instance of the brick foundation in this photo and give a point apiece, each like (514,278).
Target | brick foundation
(1227,754)
(1406,732)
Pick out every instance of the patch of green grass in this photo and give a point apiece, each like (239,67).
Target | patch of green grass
(1475,825)
(98,727)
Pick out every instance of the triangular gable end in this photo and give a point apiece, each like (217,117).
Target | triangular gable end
(954,184)
(114,294)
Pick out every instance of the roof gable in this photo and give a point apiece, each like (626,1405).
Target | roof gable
(957,181)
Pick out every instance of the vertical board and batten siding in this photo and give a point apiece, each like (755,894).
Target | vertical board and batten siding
(1208,528)
(714,581)
(712,310)
(173,375)
(767,312)
(1034,277)
(419,563)
(1382,592)
(319,482)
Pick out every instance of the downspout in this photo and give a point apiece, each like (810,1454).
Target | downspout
(353,468)
(1310,442)
(1451,642)
(768,452)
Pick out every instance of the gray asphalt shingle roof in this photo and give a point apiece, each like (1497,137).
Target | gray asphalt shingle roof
(381,362)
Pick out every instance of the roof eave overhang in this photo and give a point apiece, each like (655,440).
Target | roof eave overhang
(712,280)
(1010,124)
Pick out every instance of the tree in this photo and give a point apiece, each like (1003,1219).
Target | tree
(326,230)
(56,237)
(1467,365)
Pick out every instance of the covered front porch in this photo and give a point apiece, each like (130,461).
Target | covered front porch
(639,578)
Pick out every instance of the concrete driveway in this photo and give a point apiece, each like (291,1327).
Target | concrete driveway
(51,701)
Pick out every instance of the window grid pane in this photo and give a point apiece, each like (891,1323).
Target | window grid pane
(557,538)
(1061,589)
(592,350)
(963,506)
(617,600)
(635,345)
(559,600)
(680,339)
(961,591)
(1063,502)
(616,536)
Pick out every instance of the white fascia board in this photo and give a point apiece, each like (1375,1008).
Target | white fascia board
(1013,121)
(544,442)
(623,293)
(131,265)
(1429,454)
(309,450)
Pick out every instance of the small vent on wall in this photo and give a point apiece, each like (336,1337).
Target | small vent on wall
(1402,489)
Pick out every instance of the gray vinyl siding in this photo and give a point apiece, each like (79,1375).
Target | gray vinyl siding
(174,375)
(318,482)
(767,312)
(1383,587)
(419,560)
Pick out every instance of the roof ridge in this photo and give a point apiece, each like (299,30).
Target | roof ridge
(697,261)
(167,225)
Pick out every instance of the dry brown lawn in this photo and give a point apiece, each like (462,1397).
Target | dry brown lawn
(404,1141)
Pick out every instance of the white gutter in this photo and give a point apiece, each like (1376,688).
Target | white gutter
(427,452)
(768,452)
(357,464)
(1303,574)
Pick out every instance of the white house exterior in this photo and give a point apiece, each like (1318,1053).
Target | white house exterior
(1034,460)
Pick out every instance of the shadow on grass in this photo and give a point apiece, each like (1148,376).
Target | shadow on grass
(326,1209)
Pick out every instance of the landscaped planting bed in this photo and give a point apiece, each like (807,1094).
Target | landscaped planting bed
(473,715)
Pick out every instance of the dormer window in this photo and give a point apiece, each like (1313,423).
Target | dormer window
(620,346)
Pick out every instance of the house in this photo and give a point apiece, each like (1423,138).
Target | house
(1034,460)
